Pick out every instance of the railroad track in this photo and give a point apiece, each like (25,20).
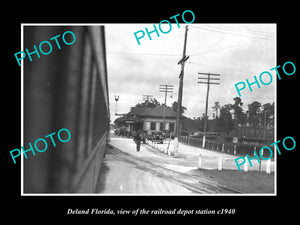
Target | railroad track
(197,185)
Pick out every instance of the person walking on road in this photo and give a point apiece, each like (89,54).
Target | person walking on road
(137,139)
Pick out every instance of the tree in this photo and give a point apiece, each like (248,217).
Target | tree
(225,122)
(239,115)
(254,115)
(192,125)
(175,105)
(120,121)
(268,114)
(152,103)
(216,107)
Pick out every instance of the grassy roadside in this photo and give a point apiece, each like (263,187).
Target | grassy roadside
(247,182)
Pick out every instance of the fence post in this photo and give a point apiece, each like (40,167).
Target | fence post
(246,166)
(200,162)
(234,151)
(223,147)
(169,152)
(165,150)
(268,168)
(220,162)
(173,153)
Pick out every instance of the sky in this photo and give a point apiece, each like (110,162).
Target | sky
(235,51)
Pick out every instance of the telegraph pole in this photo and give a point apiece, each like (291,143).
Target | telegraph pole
(166,88)
(207,81)
(179,102)
(147,98)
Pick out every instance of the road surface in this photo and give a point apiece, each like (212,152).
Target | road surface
(126,171)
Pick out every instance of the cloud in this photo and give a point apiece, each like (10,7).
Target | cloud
(236,51)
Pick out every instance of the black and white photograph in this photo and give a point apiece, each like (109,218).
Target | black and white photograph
(177,113)
(131,112)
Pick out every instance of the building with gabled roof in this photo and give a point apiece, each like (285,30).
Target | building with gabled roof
(152,119)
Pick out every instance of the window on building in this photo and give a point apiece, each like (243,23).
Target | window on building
(171,127)
(161,126)
(152,126)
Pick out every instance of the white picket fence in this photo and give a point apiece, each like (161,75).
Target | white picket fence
(222,161)
(205,162)
(169,151)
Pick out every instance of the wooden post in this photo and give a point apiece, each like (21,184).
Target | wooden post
(179,102)
(268,168)
(200,162)
(246,165)
(220,163)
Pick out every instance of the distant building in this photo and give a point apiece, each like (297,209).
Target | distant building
(151,119)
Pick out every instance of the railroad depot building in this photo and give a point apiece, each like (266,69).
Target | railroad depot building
(151,119)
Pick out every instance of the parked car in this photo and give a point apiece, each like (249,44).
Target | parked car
(156,136)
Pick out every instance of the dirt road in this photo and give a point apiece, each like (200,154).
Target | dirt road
(126,171)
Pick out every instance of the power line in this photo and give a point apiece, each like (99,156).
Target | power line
(239,30)
(167,57)
(210,28)
(226,68)
(137,53)
(218,49)
(173,55)
(259,33)
(220,31)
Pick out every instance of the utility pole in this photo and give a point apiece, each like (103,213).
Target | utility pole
(166,88)
(147,98)
(207,81)
(179,102)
